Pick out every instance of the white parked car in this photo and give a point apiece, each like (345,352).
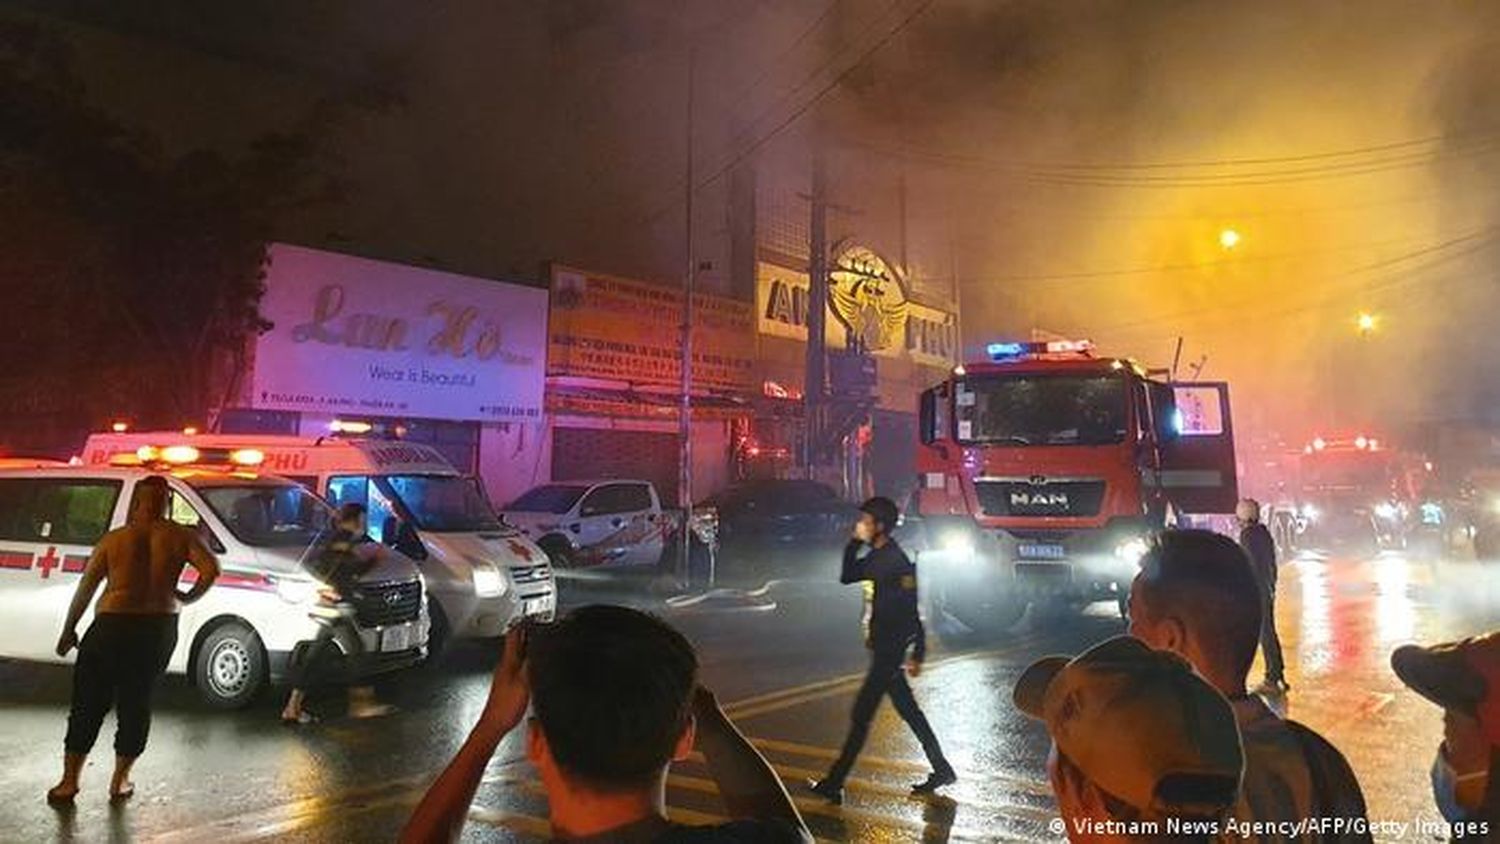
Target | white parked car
(594,523)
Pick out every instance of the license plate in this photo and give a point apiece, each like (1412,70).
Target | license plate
(396,639)
(1042,552)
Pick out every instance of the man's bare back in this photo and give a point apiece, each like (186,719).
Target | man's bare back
(142,562)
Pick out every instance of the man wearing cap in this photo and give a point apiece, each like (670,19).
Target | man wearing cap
(1463,678)
(1195,596)
(1260,547)
(1142,747)
(897,644)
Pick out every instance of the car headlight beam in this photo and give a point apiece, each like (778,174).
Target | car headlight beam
(488,581)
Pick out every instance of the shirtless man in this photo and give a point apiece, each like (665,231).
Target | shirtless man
(133,633)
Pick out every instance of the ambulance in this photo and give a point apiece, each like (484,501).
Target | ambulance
(482,576)
(245,631)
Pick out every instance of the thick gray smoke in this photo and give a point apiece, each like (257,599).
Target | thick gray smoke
(1069,166)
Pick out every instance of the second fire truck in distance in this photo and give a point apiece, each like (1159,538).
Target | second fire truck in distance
(1045,469)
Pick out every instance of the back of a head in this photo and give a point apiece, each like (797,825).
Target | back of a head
(1205,579)
(612,688)
(150,499)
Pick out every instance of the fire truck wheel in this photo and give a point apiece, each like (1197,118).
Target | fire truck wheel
(229,668)
(990,619)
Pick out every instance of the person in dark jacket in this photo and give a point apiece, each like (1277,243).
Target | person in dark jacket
(897,643)
(1260,546)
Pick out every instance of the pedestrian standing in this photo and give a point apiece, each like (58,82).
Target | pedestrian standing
(1139,741)
(897,643)
(1260,546)
(347,554)
(1464,679)
(1195,597)
(134,632)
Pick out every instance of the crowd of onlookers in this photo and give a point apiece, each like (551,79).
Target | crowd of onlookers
(1155,735)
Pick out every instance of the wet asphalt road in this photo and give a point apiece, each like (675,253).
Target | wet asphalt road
(788,675)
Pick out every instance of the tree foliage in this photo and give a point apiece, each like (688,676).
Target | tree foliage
(130,280)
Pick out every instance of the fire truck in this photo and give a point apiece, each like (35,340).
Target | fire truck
(1044,470)
(1356,492)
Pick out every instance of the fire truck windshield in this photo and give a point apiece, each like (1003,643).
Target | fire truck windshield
(1037,410)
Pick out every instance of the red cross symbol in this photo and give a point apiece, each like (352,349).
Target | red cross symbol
(48,561)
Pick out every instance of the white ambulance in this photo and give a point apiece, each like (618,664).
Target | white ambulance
(244,632)
(482,576)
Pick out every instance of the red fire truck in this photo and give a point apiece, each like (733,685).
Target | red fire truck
(1044,470)
(1356,492)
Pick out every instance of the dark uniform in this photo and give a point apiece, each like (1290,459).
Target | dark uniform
(894,630)
(1256,539)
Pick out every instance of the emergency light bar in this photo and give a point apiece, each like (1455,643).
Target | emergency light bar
(185,455)
(1000,352)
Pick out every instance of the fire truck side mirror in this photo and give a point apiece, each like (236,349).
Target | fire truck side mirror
(927,417)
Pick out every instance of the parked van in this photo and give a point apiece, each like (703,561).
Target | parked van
(482,576)
(244,632)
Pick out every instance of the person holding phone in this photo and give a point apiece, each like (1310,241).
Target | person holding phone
(897,643)
(615,700)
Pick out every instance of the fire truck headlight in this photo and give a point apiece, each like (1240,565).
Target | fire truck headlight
(1132,550)
(1310,512)
(488,581)
(296,590)
(956,543)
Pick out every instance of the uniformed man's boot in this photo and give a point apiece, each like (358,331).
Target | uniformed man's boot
(827,790)
(935,781)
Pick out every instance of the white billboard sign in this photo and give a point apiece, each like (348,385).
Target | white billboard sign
(354,336)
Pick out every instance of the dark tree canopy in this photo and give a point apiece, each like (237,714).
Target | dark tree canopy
(131,279)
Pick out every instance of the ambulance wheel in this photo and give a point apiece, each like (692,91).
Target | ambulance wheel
(230,668)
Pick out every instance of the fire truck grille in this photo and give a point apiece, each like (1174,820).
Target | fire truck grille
(387,603)
(1053,498)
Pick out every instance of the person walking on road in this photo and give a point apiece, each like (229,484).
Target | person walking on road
(1260,546)
(897,643)
(1195,596)
(133,634)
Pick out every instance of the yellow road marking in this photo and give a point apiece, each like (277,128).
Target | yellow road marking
(798,695)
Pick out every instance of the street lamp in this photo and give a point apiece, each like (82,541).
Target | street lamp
(1366,322)
(1229,239)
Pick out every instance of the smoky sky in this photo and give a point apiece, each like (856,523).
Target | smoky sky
(1069,166)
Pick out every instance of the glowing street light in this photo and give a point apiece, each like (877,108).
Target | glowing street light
(1366,322)
(1229,238)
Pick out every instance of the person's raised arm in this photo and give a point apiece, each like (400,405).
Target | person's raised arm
(204,563)
(83,595)
(853,570)
(749,786)
(444,808)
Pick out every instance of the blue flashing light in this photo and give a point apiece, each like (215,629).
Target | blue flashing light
(1000,351)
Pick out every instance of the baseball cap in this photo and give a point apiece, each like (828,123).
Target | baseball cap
(1139,724)
(1456,675)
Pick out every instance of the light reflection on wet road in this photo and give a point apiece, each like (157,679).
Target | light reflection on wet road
(792,674)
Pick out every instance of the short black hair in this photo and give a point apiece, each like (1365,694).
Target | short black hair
(613,690)
(883,511)
(1205,579)
(349,510)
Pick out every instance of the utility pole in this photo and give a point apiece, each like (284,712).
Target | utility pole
(817,312)
(685,471)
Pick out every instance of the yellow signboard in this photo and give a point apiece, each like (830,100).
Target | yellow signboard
(619,329)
